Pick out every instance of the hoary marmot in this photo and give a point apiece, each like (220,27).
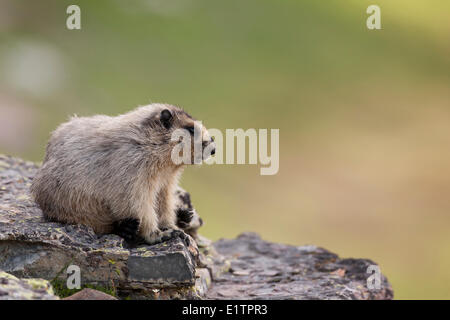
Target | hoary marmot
(102,170)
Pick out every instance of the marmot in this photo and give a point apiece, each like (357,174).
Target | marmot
(105,172)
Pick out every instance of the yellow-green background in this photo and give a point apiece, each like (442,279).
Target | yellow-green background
(364,116)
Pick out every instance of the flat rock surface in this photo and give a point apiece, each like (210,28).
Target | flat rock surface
(265,270)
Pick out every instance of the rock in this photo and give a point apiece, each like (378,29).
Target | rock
(264,270)
(12,288)
(90,294)
(210,258)
(203,281)
(243,268)
(33,247)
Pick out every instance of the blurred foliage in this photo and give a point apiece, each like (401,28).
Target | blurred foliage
(363,115)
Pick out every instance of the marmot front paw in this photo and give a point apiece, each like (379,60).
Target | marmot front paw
(127,229)
(165,235)
(176,233)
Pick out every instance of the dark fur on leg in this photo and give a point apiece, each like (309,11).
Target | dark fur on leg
(128,229)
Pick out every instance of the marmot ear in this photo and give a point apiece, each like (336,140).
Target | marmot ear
(166,118)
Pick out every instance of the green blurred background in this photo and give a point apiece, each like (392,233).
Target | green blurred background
(364,116)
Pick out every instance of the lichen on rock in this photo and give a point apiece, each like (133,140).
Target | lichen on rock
(13,288)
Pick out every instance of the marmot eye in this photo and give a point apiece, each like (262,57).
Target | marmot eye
(166,118)
(190,129)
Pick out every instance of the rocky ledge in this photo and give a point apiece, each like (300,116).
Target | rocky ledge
(244,268)
(265,270)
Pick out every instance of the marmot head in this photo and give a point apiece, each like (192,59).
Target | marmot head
(173,134)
